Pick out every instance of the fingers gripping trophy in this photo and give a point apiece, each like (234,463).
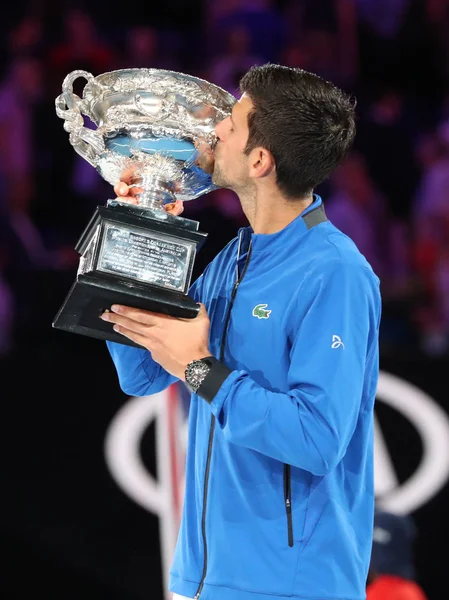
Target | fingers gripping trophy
(154,128)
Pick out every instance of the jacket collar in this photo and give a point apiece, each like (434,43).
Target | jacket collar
(311,216)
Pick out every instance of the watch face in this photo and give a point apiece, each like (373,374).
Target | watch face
(195,373)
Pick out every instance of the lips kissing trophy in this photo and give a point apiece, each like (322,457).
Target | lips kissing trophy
(159,126)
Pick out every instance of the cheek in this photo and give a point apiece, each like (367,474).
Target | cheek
(234,151)
(226,153)
(231,155)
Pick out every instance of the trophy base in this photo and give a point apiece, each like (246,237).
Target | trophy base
(92,293)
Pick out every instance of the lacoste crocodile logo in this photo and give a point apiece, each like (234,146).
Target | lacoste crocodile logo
(260,312)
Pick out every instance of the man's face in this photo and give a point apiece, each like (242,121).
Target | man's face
(231,168)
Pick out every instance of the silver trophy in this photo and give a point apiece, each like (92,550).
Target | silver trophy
(157,125)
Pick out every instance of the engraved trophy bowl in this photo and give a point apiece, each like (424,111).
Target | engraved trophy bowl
(159,126)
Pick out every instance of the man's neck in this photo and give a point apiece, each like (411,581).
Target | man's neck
(272,213)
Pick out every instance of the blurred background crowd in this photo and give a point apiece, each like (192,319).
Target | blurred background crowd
(390,195)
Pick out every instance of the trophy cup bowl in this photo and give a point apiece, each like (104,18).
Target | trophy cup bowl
(159,126)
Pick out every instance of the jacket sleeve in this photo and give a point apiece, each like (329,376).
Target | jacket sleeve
(138,373)
(310,425)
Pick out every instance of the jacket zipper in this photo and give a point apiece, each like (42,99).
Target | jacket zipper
(238,280)
(288,503)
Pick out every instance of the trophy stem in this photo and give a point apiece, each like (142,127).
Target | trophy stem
(156,192)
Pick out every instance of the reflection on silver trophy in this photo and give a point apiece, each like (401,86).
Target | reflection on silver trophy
(158,126)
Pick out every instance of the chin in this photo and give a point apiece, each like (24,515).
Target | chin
(218,176)
(217,180)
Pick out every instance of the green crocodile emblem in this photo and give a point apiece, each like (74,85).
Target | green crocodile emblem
(260,312)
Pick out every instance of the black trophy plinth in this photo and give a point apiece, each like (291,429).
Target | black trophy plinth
(132,256)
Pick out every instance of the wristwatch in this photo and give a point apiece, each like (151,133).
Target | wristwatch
(205,376)
(197,370)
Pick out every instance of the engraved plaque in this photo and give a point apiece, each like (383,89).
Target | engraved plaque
(146,257)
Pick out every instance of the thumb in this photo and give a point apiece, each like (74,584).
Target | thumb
(121,189)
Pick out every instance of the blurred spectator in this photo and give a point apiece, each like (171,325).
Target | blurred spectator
(309,15)
(27,248)
(317,51)
(20,92)
(425,252)
(81,47)
(322,38)
(24,35)
(357,208)
(227,68)
(23,113)
(27,36)
(261,18)
(385,136)
(383,17)
(429,224)
(392,571)
(432,191)
(428,216)
(143,50)
(428,291)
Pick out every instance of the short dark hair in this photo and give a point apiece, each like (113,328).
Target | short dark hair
(306,122)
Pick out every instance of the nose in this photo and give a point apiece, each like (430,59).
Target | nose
(220,129)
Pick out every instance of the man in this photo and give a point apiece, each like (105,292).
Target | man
(282,362)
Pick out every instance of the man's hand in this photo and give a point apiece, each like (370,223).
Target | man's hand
(173,342)
(127,192)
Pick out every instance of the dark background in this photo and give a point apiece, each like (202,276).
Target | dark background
(66,529)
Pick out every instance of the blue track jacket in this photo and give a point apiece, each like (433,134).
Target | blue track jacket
(279,498)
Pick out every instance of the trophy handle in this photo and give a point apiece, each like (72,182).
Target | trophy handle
(70,107)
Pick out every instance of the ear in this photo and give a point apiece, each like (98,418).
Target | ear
(261,163)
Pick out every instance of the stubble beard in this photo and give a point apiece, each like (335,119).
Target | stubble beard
(219,178)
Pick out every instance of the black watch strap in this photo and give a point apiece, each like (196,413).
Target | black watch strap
(212,382)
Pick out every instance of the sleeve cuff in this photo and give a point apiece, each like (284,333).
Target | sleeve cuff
(213,381)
